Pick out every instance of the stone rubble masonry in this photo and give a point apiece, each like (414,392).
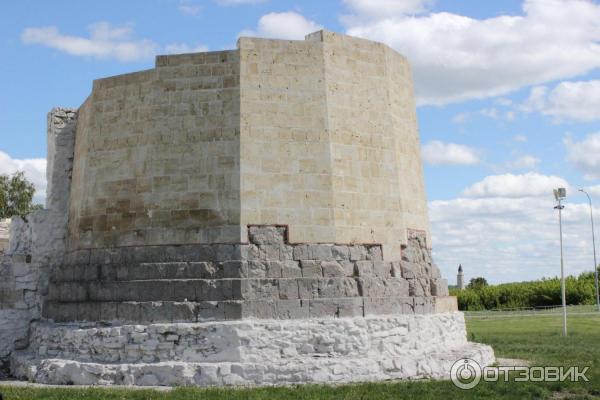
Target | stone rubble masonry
(250,352)
(267,278)
(36,241)
(318,134)
(4,227)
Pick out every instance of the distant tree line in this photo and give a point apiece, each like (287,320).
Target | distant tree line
(545,292)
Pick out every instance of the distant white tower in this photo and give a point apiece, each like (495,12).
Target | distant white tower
(460,279)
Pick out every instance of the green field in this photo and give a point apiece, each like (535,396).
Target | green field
(535,338)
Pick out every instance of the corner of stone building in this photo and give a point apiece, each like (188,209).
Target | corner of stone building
(35,243)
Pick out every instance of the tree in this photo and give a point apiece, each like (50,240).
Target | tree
(477,283)
(16,195)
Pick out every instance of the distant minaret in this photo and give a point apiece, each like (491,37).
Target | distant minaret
(460,279)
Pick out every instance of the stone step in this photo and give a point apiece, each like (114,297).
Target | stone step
(291,371)
(260,268)
(229,289)
(239,341)
(167,311)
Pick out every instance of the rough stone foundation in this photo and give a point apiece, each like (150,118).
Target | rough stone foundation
(251,352)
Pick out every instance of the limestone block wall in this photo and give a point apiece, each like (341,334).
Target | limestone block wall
(157,156)
(319,135)
(286,168)
(329,141)
(373,134)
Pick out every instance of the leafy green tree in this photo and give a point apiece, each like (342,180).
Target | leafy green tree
(16,195)
(477,283)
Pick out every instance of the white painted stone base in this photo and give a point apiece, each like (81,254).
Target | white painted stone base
(249,352)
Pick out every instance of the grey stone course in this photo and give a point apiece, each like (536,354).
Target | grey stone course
(266,278)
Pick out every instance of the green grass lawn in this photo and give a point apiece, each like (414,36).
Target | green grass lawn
(536,339)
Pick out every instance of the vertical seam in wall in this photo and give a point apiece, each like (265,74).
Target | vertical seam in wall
(330,141)
(239,149)
(402,240)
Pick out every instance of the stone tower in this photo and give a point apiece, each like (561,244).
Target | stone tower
(460,279)
(251,216)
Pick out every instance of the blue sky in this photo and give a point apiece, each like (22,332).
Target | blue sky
(508,100)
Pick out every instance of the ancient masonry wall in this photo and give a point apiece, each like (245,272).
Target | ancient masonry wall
(4,227)
(37,241)
(329,141)
(157,156)
(319,135)
(267,278)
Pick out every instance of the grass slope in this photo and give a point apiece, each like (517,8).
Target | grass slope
(534,338)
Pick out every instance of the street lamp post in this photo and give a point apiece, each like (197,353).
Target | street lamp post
(594,247)
(559,195)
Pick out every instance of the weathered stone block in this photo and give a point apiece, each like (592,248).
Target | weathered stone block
(257,269)
(108,311)
(266,234)
(308,288)
(258,289)
(439,287)
(364,268)
(340,252)
(357,253)
(323,308)
(332,268)
(311,268)
(288,289)
(210,311)
(224,252)
(321,252)
(291,269)
(235,269)
(382,269)
(350,307)
(338,287)
(183,312)
(274,269)
(409,270)
(375,253)
(291,309)
(300,252)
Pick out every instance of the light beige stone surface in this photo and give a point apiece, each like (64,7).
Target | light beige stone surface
(4,228)
(318,134)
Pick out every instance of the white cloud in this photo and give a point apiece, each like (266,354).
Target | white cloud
(530,184)
(440,153)
(520,138)
(507,239)
(585,155)
(239,2)
(460,118)
(284,25)
(34,169)
(188,7)
(593,191)
(105,42)
(386,8)
(576,101)
(524,162)
(455,58)
(180,48)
